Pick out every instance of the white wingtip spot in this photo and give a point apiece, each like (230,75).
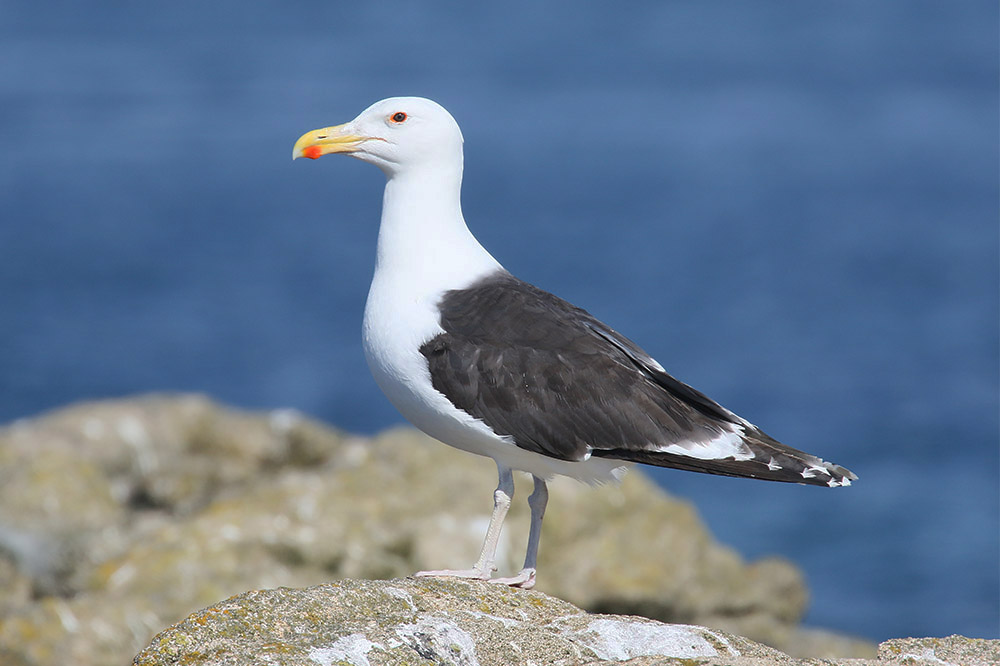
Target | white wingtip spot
(811,471)
(725,445)
(772,465)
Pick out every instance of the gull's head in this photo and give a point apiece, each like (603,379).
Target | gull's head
(396,134)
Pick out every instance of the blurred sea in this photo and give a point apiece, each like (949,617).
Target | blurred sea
(793,206)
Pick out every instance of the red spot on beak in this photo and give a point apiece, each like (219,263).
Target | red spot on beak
(312,152)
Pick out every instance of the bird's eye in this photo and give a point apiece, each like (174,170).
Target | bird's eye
(398,117)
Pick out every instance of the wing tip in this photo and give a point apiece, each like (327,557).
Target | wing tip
(811,471)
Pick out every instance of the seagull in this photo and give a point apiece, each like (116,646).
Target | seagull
(492,365)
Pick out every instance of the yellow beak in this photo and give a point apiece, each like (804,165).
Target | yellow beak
(324,141)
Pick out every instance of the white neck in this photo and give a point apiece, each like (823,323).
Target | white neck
(424,250)
(423,239)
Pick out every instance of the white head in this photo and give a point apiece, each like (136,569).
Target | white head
(397,134)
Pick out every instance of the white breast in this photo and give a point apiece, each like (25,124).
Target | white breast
(401,315)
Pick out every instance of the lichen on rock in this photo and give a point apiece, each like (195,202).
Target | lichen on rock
(473,623)
(441,621)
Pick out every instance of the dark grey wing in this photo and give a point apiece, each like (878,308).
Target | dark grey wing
(561,383)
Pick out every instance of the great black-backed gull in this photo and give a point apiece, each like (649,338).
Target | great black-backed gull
(489,364)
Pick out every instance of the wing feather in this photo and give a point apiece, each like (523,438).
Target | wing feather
(563,384)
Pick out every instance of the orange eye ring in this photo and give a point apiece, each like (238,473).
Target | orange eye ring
(398,117)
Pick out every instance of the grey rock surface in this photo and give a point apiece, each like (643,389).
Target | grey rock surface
(120,517)
(447,621)
(414,621)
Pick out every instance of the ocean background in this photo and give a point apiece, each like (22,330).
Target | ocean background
(793,206)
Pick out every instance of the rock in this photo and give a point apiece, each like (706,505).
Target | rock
(424,621)
(84,487)
(120,517)
(448,621)
(941,651)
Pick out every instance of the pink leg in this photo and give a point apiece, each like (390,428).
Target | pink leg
(486,564)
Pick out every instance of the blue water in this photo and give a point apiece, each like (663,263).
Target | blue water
(792,205)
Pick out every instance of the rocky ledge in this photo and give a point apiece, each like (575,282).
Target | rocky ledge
(447,621)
